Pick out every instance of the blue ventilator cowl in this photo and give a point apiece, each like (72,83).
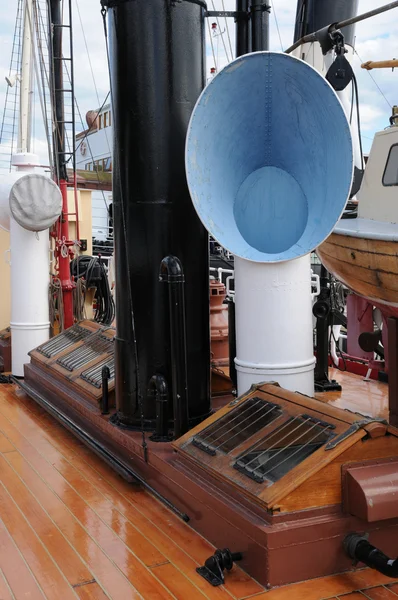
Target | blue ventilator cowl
(269,157)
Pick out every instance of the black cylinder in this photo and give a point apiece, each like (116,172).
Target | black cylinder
(242,27)
(313,15)
(358,548)
(171,272)
(158,388)
(260,26)
(105,390)
(232,341)
(56,85)
(157,74)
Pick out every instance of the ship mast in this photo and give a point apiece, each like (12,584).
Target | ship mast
(63,245)
(25,113)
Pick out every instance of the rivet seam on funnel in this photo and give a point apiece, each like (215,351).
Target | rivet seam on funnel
(268,108)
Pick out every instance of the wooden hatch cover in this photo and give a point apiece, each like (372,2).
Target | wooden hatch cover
(75,358)
(270,441)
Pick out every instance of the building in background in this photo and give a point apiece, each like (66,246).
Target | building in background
(94,164)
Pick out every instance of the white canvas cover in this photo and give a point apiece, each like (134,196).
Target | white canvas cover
(35,202)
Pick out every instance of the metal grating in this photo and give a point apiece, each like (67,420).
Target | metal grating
(92,349)
(64,340)
(93,376)
(284,448)
(240,424)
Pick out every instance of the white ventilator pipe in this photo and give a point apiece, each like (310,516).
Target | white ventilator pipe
(274,339)
(30,277)
(30,262)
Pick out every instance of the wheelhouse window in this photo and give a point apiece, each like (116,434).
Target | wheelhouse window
(390,176)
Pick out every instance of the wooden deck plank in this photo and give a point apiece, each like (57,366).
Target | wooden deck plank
(178,584)
(183,536)
(44,569)
(117,503)
(379,593)
(61,551)
(54,465)
(180,544)
(365,397)
(394,588)
(5,445)
(91,591)
(101,565)
(16,575)
(5,589)
(103,547)
(328,587)
(353,596)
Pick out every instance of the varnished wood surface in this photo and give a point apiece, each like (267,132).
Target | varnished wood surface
(369,398)
(71,528)
(368,267)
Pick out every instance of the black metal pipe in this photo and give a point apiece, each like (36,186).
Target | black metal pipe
(242,27)
(158,388)
(260,26)
(171,272)
(232,341)
(324,320)
(358,548)
(106,374)
(314,15)
(157,57)
(56,86)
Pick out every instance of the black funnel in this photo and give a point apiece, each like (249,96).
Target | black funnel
(157,72)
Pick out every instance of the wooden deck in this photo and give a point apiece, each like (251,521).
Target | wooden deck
(71,528)
(357,395)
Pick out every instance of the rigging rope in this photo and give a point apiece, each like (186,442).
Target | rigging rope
(56,304)
(374,81)
(91,68)
(212,45)
(222,37)
(11,95)
(227,28)
(277,24)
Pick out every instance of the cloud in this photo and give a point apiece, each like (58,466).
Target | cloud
(376,39)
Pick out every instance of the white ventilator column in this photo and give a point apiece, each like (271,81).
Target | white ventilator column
(29,204)
(274,339)
(30,278)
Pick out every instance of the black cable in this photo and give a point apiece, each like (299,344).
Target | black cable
(92,270)
(354,79)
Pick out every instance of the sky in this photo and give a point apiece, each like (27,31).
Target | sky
(376,39)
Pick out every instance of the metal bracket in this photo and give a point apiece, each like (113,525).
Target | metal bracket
(227,13)
(213,569)
(261,7)
(356,426)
